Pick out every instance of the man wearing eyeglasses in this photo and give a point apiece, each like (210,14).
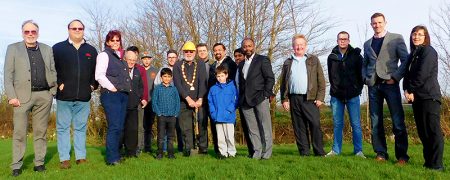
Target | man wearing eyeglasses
(75,64)
(30,83)
(344,72)
(189,76)
(382,74)
(172,58)
(203,112)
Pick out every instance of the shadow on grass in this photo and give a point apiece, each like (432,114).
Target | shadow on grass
(29,160)
(101,150)
(52,151)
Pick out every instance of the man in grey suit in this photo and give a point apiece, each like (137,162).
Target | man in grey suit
(256,82)
(382,74)
(30,83)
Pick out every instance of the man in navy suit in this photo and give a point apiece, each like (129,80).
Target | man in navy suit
(256,82)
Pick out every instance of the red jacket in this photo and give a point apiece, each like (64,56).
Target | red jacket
(144,80)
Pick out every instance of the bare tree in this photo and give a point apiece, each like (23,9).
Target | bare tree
(440,26)
(2,63)
(99,22)
(363,33)
(160,25)
(99,15)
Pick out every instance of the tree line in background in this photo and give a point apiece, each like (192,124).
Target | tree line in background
(440,30)
(159,25)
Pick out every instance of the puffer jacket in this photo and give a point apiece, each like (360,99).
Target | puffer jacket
(345,74)
(222,101)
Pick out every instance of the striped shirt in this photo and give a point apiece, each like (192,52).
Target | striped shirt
(166,100)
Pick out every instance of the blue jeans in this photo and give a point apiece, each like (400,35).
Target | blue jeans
(115,106)
(377,94)
(354,113)
(68,112)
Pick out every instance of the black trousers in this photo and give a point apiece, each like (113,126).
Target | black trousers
(203,114)
(149,119)
(427,117)
(305,115)
(213,129)
(166,127)
(179,135)
(130,137)
(245,131)
(185,120)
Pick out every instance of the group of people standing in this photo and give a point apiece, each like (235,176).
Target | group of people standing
(380,70)
(189,93)
(185,94)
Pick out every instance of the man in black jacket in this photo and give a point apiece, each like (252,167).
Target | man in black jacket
(75,65)
(203,112)
(344,72)
(221,59)
(135,97)
(189,77)
(256,82)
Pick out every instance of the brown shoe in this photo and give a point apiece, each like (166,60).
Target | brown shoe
(81,161)
(380,159)
(65,164)
(401,162)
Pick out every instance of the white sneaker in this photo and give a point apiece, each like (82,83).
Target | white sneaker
(360,154)
(331,153)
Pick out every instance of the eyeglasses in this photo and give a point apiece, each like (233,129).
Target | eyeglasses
(33,32)
(188,51)
(114,40)
(417,35)
(74,29)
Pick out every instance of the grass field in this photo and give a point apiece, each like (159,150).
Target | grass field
(285,164)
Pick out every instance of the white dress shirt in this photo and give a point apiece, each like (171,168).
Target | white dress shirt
(247,65)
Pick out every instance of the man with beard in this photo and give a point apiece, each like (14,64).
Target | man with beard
(238,58)
(221,59)
(189,76)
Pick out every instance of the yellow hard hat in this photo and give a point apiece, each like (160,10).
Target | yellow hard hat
(188,46)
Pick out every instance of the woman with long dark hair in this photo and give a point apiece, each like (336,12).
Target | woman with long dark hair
(422,90)
(112,74)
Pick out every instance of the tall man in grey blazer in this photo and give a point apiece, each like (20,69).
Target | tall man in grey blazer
(382,74)
(30,83)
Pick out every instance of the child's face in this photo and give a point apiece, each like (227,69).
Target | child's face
(166,78)
(222,77)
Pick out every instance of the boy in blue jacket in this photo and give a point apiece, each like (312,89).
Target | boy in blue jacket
(166,105)
(222,100)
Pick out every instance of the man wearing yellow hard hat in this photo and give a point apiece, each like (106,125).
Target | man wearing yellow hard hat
(189,76)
